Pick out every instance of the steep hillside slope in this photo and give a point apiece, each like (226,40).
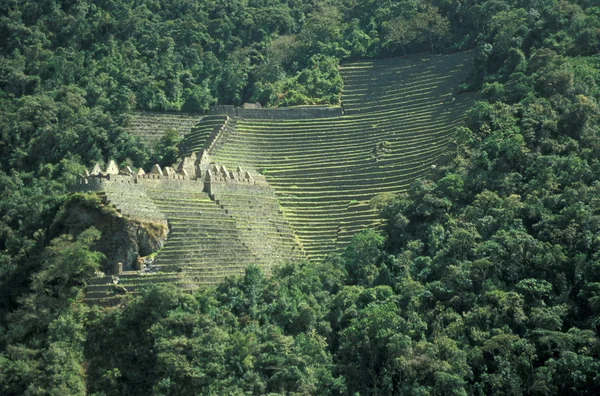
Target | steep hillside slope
(323,168)
(399,116)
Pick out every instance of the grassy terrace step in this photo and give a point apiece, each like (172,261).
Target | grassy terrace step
(412,108)
(102,291)
(325,171)
(362,155)
(347,148)
(381,123)
(199,265)
(369,170)
(322,144)
(223,257)
(339,167)
(352,162)
(349,120)
(345,124)
(361,86)
(395,161)
(325,222)
(322,229)
(338,226)
(187,206)
(151,126)
(375,133)
(308,212)
(205,245)
(370,177)
(341,170)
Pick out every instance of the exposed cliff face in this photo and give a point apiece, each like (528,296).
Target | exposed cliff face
(123,239)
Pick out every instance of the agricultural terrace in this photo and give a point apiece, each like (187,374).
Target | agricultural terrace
(151,126)
(400,114)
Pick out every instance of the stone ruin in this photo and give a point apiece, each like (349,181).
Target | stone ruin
(196,171)
(232,219)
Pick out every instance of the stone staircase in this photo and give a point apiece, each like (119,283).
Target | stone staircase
(203,133)
(227,130)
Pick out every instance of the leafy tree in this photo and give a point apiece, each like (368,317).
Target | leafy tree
(166,149)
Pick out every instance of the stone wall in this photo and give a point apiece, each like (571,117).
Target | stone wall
(222,110)
(215,136)
(193,173)
(281,113)
(126,194)
(218,177)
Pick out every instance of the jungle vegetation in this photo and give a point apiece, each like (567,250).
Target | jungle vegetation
(486,279)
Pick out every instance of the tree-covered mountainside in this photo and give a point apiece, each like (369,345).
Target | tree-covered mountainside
(485,281)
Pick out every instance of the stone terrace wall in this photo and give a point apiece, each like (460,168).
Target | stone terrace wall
(122,191)
(222,110)
(282,113)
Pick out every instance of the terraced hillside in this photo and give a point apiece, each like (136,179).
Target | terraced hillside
(211,236)
(323,171)
(150,127)
(204,243)
(399,117)
(260,224)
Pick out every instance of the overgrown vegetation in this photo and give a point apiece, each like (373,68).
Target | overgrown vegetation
(485,282)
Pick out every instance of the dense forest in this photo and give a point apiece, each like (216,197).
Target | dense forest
(485,280)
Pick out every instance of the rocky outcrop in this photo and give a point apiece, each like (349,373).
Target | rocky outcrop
(124,239)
